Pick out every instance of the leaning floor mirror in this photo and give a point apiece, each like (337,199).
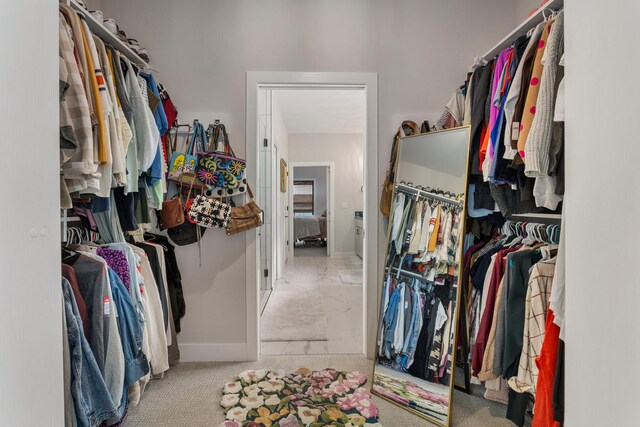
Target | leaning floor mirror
(417,320)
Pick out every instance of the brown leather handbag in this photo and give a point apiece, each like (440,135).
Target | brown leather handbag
(172,212)
(407,128)
(245,217)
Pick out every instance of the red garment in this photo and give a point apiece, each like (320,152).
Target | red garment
(546,362)
(499,268)
(172,115)
(70,274)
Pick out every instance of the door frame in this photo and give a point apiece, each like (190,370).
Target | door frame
(317,80)
(331,201)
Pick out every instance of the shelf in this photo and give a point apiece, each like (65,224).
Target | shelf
(107,36)
(522,29)
(545,217)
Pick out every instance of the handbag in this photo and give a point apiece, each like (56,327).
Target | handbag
(407,128)
(245,217)
(187,232)
(208,212)
(172,213)
(221,171)
(183,164)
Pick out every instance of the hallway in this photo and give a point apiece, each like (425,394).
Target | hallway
(315,308)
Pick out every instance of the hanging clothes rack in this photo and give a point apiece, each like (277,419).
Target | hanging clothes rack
(410,274)
(405,188)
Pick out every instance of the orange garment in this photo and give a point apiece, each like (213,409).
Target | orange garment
(102,129)
(546,362)
(433,239)
(484,145)
(534,87)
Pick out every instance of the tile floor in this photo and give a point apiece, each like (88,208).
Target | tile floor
(341,304)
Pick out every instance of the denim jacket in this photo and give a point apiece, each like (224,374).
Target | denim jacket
(92,401)
(136,365)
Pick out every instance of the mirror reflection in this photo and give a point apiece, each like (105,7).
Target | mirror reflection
(417,316)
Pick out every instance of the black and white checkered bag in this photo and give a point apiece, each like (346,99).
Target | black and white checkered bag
(210,213)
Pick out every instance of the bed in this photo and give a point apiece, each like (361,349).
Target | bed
(310,227)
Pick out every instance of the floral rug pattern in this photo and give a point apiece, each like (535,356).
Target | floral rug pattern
(304,398)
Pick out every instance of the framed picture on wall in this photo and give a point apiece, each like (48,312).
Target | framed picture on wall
(283,176)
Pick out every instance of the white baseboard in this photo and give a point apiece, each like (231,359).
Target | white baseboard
(344,253)
(227,352)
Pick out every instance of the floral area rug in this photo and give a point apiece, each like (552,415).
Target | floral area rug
(304,398)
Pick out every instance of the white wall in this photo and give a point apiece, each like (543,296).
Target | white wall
(318,174)
(96,5)
(602,210)
(31,387)
(346,151)
(523,7)
(202,49)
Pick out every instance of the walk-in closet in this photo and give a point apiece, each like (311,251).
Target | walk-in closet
(319,213)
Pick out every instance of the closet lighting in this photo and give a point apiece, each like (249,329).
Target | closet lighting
(522,29)
(107,36)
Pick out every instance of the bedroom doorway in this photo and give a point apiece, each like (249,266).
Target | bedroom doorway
(314,304)
(311,201)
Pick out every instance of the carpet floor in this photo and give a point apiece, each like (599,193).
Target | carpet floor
(190,393)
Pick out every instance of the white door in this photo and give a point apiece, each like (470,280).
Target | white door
(265,186)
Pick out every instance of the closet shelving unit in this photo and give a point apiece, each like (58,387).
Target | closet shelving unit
(107,36)
(524,28)
(521,30)
(111,39)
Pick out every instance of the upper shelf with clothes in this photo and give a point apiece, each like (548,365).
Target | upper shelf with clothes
(522,29)
(106,35)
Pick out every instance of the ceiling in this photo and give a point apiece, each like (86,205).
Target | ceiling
(336,111)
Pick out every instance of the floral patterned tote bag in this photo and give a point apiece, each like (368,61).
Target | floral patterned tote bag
(221,171)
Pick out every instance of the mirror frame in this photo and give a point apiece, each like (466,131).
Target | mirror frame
(456,315)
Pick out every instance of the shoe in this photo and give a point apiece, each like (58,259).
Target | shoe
(97,14)
(122,36)
(142,53)
(82,3)
(111,25)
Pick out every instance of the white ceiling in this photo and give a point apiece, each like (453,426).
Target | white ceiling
(337,111)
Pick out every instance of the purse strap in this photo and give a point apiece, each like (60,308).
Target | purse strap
(198,132)
(216,137)
(251,196)
(174,144)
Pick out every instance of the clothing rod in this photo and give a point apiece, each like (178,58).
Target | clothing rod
(408,189)
(107,36)
(522,29)
(409,274)
(537,217)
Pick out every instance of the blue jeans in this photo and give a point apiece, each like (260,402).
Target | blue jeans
(91,396)
(411,340)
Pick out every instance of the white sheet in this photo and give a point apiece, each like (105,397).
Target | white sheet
(306,226)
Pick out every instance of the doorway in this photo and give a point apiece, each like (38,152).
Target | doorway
(311,201)
(368,82)
(315,304)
